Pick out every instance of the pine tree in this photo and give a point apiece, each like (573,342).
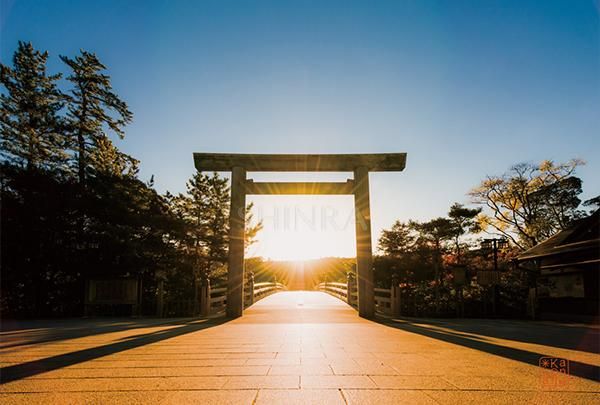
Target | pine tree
(434,234)
(30,126)
(93,108)
(463,221)
(205,208)
(107,159)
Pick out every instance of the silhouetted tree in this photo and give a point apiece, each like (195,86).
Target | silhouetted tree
(463,221)
(93,108)
(55,233)
(397,241)
(30,124)
(434,234)
(205,210)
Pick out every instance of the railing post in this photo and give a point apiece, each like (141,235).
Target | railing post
(395,297)
(251,288)
(205,296)
(351,287)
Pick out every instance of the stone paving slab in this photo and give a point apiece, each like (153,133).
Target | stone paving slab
(300,397)
(303,369)
(378,397)
(337,381)
(296,348)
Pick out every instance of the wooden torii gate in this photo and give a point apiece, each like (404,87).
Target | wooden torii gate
(240,164)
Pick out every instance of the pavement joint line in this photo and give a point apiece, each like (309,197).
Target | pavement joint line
(449,382)
(372,380)
(341,391)
(432,398)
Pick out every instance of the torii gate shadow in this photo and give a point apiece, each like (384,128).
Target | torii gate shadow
(579,369)
(31,368)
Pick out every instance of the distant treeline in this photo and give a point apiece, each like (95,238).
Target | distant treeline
(301,275)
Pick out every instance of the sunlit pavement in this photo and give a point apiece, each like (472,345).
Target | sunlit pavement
(297,347)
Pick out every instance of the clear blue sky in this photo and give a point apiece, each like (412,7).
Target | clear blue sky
(465,88)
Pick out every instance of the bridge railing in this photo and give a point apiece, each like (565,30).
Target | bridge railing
(217,301)
(339,290)
(387,300)
(344,291)
(216,298)
(383,300)
(261,290)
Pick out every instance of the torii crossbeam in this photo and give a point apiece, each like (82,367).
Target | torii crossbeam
(359,164)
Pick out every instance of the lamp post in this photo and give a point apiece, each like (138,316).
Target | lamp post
(494,244)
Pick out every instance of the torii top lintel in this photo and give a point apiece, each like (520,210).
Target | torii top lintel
(373,162)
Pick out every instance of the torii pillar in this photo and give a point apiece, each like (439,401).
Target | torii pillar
(237,224)
(359,164)
(364,251)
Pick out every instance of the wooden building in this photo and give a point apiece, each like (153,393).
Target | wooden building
(566,268)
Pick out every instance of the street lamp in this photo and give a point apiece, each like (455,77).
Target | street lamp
(495,244)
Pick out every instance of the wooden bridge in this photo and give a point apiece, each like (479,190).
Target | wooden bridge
(296,347)
(213,301)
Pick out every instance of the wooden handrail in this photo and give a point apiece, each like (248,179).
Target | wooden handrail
(341,285)
(338,290)
(383,296)
(383,300)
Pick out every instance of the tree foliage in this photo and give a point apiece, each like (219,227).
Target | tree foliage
(530,202)
(526,205)
(397,241)
(57,234)
(93,108)
(463,220)
(30,125)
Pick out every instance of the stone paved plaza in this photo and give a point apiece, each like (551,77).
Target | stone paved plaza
(296,347)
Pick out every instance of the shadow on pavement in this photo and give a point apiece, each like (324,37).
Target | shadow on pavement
(31,332)
(563,335)
(31,368)
(576,368)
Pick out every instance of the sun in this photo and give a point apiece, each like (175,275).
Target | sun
(297,228)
